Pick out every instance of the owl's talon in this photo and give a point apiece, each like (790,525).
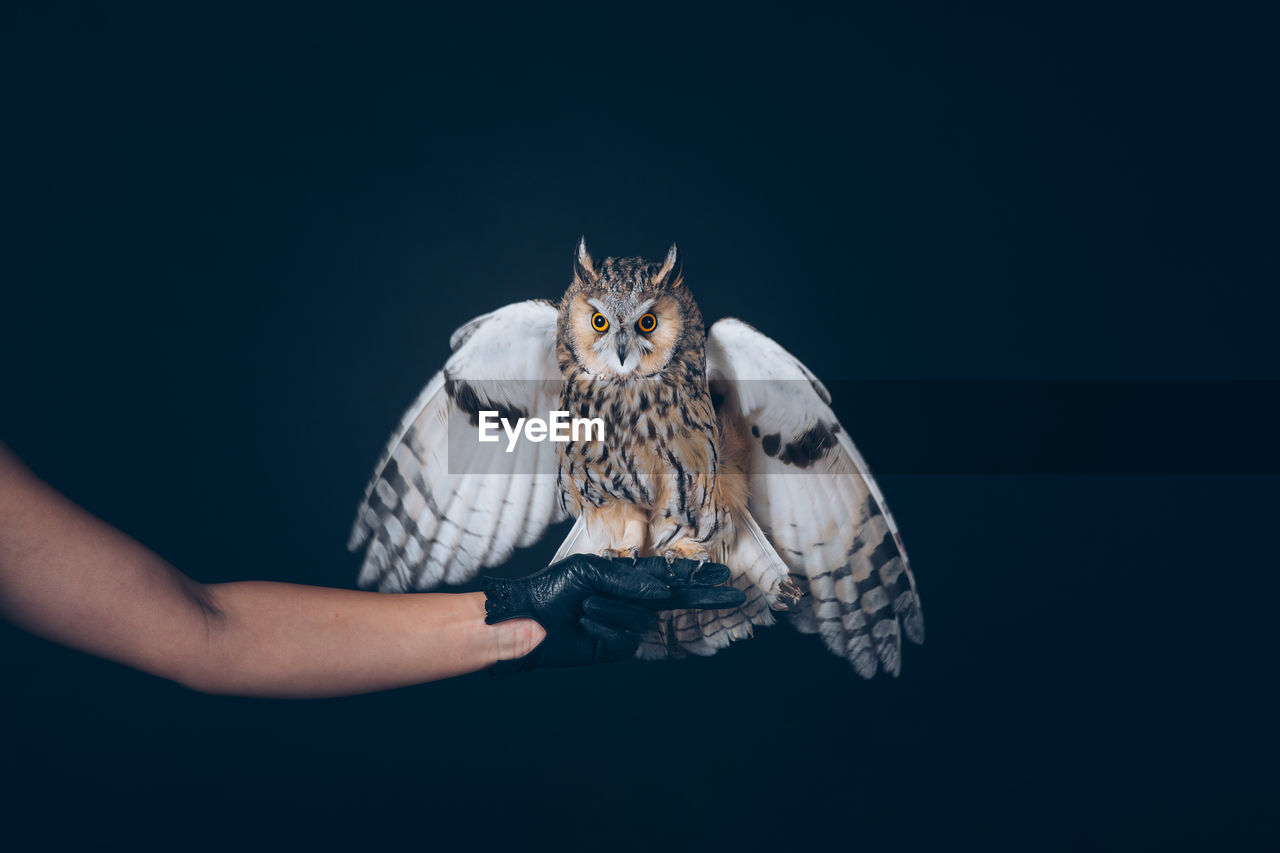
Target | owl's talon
(671,555)
(609,554)
(634,555)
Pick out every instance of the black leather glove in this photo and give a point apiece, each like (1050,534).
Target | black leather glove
(595,610)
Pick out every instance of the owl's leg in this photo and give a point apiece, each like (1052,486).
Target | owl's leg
(692,522)
(687,550)
(620,524)
(676,539)
(633,536)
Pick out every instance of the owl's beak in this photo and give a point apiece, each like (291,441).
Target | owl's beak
(622,349)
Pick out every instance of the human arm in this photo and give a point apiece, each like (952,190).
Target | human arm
(72,578)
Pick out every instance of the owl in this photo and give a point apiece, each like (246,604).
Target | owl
(718,445)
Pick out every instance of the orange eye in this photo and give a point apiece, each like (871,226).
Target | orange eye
(647,323)
(599,322)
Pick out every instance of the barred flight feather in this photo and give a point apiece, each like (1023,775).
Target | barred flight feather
(429,517)
(814,497)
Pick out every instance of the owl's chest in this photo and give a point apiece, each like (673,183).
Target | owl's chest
(649,431)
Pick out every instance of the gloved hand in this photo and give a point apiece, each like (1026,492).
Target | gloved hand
(595,610)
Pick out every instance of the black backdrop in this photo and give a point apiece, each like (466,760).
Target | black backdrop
(235,244)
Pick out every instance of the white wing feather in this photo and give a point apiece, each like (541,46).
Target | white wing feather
(438,512)
(815,499)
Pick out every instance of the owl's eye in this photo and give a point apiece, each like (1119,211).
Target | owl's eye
(647,323)
(599,322)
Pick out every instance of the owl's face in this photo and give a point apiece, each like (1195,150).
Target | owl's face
(627,317)
(621,334)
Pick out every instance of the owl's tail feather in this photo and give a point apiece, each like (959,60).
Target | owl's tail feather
(578,542)
(757,570)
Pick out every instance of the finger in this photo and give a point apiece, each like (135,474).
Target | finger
(683,571)
(601,631)
(707,598)
(711,574)
(611,644)
(700,598)
(654,567)
(629,617)
(679,571)
(622,580)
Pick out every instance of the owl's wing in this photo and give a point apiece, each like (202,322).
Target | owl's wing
(812,494)
(440,510)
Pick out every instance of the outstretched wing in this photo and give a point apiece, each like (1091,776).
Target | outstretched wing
(440,510)
(813,496)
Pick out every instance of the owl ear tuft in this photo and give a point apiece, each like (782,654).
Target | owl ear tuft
(584,269)
(669,275)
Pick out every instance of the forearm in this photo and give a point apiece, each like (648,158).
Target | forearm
(274,639)
(71,578)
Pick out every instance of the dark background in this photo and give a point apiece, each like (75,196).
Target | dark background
(235,243)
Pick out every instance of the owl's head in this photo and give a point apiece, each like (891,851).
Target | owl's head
(628,316)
